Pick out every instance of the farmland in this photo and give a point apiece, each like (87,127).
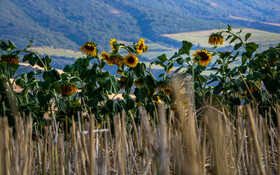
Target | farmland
(200,38)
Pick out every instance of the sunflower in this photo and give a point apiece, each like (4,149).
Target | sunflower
(119,71)
(105,56)
(89,48)
(169,70)
(138,103)
(216,39)
(272,63)
(112,42)
(160,86)
(130,60)
(167,89)
(174,107)
(253,88)
(10,59)
(239,95)
(141,46)
(138,83)
(67,89)
(156,98)
(118,61)
(203,57)
(122,82)
(145,48)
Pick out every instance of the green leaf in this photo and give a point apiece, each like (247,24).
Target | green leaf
(44,85)
(229,27)
(92,103)
(251,47)
(247,36)
(272,85)
(237,46)
(150,83)
(62,105)
(4,45)
(162,58)
(67,69)
(244,59)
(141,94)
(129,103)
(111,105)
(198,70)
(185,48)
(239,31)
(11,45)
(52,75)
(27,57)
(202,79)
(56,86)
(112,84)
(130,49)
(33,60)
(139,70)
(180,61)
(233,39)
(128,83)
(228,37)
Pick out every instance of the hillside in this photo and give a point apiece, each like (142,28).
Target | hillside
(68,24)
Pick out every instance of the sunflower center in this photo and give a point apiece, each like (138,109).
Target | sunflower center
(130,60)
(203,56)
(141,46)
(107,57)
(90,47)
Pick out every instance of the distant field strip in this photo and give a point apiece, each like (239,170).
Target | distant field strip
(57,52)
(154,51)
(265,39)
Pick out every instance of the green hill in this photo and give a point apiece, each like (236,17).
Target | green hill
(68,24)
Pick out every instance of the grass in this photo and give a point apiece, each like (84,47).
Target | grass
(265,39)
(171,143)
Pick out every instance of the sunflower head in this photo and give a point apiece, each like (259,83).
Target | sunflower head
(119,71)
(216,39)
(89,48)
(105,56)
(160,85)
(140,46)
(118,61)
(203,57)
(138,103)
(167,89)
(138,83)
(239,95)
(67,89)
(253,88)
(10,59)
(174,107)
(272,63)
(169,70)
(156,98)
(130,60)
(113,43)
(145,48)
(122,82)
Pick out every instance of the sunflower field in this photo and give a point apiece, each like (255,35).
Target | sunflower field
(86,92)
(85,87)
